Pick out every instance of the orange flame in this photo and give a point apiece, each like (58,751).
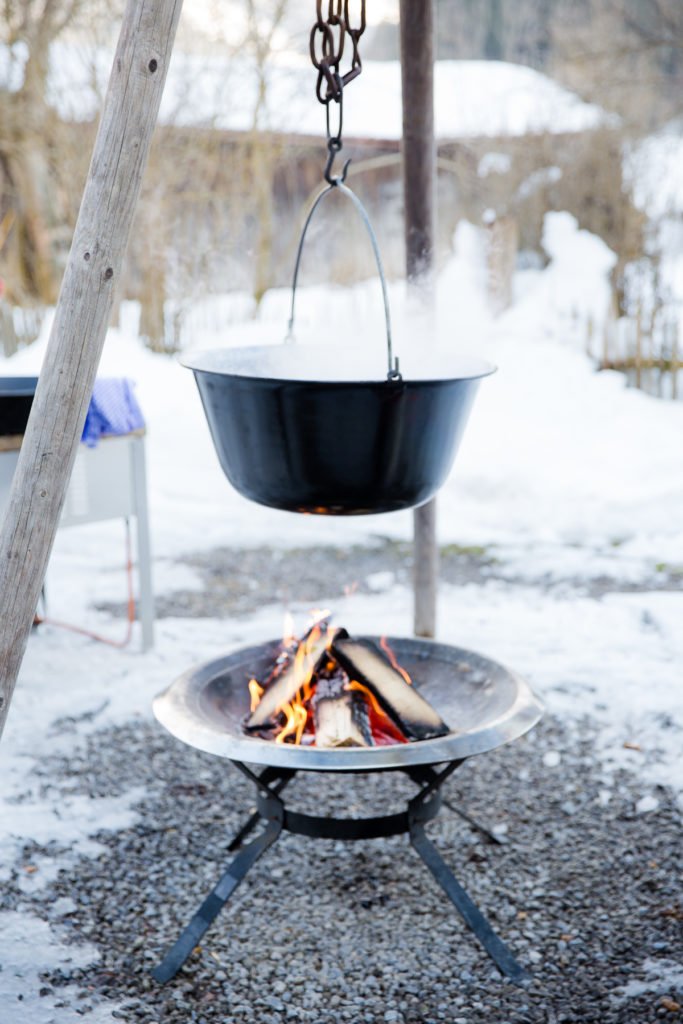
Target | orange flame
(295,712)
(369,695)
(296,716)
(394,663)
(255,692)
(386,724)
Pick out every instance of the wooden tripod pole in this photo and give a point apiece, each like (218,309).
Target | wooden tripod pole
(65,385)
(419,194)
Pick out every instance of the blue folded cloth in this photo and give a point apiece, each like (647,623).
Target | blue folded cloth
(113,410)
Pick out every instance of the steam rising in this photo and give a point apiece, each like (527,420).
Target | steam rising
(318,363)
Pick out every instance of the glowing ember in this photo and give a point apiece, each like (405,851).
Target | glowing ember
(368,694)
(384,732)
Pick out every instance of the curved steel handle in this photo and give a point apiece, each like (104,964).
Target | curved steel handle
(393,372)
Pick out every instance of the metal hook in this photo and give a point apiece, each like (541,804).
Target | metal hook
(334,146)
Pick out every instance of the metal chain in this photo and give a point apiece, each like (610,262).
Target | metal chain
(327,40)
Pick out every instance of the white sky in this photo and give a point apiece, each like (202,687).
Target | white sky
(224,19)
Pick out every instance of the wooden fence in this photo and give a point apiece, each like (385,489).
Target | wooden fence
(646,348)
(18,326)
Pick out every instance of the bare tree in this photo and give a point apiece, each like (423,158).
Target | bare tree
(626,55)
(30,196)
(264,21)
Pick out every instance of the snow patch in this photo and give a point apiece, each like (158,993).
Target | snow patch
(552,758)
(28,946)
(647,804)
(663,976)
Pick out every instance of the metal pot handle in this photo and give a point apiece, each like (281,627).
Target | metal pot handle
(337,184)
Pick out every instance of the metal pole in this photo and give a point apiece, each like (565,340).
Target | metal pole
(419,191)
(80,325)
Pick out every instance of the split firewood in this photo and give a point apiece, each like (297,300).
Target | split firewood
(341,715)
(298,670)
(363,661)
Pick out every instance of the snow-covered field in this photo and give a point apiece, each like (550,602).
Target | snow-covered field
(565,476)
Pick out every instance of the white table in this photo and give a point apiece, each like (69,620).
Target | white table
(107,482)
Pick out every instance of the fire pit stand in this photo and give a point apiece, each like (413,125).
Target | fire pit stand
(206,708)
(273,813)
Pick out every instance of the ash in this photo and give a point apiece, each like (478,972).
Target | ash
(584,891)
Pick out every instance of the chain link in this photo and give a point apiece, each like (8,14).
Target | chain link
(327,40)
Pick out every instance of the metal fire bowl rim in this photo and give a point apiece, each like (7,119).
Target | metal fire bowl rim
(182,712)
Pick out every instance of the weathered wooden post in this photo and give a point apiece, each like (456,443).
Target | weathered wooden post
(419,191)
(54,429)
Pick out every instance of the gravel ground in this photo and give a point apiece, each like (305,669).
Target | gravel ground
(585,891)
(237,582)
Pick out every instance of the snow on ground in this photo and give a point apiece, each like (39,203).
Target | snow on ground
(565,475)
(33,943)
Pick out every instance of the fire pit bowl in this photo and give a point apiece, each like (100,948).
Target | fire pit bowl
(295,434)
(484,704)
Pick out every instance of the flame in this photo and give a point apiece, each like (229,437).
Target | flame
(255,692)
(300,657)
(390,731)
(369,695)
(394,663)
(295,712)
(295,724)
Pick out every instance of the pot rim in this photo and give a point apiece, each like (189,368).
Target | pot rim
(199,360)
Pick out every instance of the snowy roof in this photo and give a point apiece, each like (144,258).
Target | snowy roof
(472,98)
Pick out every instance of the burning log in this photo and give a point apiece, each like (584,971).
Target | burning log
(341,715)
(333,691)
(298,671)
(362,661)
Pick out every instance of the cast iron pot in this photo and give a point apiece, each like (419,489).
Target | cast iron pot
(16,398)
(335,447)
(295,432)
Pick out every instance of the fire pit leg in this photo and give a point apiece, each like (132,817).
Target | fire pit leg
(425,774)
(275,779)
(216,900)
(488,835)
(470,913)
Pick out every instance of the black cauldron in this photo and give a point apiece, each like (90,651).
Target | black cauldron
(331,446)
(308,430)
